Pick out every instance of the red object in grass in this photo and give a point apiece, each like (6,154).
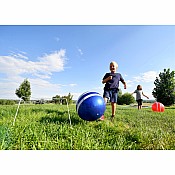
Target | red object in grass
(158,107)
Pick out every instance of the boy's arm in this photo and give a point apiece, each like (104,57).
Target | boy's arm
(124,84)
(123,81)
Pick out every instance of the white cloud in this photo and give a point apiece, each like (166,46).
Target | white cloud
(72,85)
(52,62)
(20,56)
(42,88)
(15,65)
(76,95)
(149,76)
(80,51)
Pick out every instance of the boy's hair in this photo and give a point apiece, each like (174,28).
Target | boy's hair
(139,87)
(114,63)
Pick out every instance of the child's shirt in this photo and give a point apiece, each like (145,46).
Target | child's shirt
(114,83)
(138,94)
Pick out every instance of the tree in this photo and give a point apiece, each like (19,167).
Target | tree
(164,90)
(119,98)
(69,99)
(24,90)
(126,98)
(62,100)
(57,99)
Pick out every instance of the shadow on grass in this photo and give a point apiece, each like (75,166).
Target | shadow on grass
(45,110)
(61,118)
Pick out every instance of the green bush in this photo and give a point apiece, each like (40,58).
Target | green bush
(6,102)
(126,98)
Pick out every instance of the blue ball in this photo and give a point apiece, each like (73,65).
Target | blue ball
(90,106)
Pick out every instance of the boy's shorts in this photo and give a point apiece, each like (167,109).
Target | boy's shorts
(111,94)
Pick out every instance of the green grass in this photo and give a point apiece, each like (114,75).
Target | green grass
(47,127)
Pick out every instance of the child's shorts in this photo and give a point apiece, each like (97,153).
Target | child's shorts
(111,94)
(139,101)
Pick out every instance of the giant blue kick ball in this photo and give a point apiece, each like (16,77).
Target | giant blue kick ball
(90,106)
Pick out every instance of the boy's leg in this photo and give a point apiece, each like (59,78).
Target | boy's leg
(103,117)
(113,104)
(105,99)
(114,95)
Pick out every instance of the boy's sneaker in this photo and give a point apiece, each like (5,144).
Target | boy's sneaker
(102,117)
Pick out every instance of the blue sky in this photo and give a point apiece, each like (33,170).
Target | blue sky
(58,59)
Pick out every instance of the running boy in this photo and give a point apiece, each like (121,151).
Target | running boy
(111,81)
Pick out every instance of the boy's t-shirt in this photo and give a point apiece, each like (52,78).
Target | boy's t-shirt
(114,83)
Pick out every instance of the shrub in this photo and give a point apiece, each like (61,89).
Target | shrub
(6,102)
(126,98)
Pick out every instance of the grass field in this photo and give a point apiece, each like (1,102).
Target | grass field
(47,127)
